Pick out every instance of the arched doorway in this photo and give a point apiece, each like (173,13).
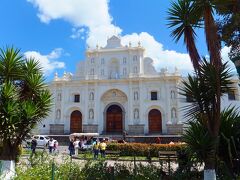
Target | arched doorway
(114,119)
(155,121)
(76,122)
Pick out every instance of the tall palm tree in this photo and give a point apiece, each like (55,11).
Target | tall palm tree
(184,18)
(203,11)
(24,101)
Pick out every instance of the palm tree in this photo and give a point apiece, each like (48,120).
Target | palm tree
(203,11)
(184,18)
(24,100)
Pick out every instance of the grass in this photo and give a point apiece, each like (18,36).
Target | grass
(89,155)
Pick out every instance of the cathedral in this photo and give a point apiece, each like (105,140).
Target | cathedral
(115,89)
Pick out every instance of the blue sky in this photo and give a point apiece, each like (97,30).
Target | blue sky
(57,32)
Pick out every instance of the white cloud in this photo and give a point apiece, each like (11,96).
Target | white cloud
(77,33)
(47,62)
(95,16)
(92,14)
(161,57)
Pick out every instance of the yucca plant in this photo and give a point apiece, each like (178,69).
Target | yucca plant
(24,101)
(200,143)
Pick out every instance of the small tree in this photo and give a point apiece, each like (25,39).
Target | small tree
(24,100)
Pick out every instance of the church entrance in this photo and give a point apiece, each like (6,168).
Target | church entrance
(114,119)
(155,121)
(76,122)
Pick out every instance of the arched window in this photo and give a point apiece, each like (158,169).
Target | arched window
(91,114)
(92,60)
(136,114)
(58,114)
(91,96)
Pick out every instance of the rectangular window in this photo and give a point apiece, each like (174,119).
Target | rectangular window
(76,98)
(231,96)
(154,96)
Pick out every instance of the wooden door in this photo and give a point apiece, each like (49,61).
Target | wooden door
(114,119)
(76,122)
(155,121)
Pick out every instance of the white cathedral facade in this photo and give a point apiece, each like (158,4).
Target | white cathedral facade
(117,89)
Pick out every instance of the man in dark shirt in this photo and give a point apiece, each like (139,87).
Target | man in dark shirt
(33,145)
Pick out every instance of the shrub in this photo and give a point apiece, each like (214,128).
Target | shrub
(141,149)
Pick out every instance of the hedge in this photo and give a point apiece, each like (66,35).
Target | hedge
(141,149)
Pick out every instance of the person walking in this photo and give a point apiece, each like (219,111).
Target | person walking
(33,145)
(102,147)
(51,145)
(95,149)
(71,147)
(55,147)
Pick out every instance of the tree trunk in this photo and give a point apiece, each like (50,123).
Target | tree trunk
(7,171)
(210,161)
(9,152)
(7,158)
(209,174)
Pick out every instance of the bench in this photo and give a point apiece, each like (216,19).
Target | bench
(167,156)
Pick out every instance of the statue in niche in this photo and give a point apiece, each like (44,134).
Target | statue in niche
(58,114)
(136,114)
(135,95)
(91,96)
(174,115)
(91,114)
(114,94)
(173,95)
(59,97)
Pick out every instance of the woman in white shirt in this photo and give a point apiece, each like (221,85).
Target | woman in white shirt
(76,146)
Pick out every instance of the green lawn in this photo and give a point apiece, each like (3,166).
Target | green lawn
(88,155)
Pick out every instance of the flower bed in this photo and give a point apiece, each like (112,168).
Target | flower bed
(140,149)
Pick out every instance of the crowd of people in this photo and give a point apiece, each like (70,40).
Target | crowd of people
(52,145)
(97,146)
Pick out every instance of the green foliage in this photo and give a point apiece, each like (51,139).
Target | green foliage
(140,149)
(202,89)
(199,142)
(24,99)
(91,170)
